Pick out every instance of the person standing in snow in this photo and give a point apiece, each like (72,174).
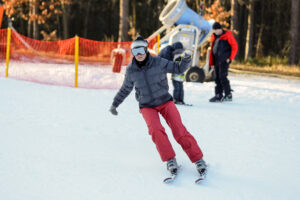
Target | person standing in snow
(177,79)
(148,75)
(223,50)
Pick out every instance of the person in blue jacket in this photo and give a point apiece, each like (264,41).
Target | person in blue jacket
(169,53)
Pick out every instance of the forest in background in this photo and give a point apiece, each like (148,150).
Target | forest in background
(267,31)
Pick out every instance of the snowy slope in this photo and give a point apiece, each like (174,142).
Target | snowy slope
(62,143)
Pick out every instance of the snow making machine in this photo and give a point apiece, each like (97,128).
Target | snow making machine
(182,24)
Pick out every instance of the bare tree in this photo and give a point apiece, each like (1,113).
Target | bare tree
(261,27)
(35,22)
(65,20)
(234,16)
(33,30)
(234,21)
(132,31)
(29,24)
(86,20)
(294,52)
(124,22)
(249,37)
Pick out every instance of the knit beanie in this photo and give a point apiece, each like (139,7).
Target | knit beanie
(177,45)
(217,25)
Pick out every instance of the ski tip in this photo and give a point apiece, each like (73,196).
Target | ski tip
(199,180)
(168,180)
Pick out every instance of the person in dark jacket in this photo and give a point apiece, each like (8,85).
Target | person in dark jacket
(147,74)
(223,50)
(177,79)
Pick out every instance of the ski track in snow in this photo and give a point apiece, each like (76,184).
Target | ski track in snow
(62,143)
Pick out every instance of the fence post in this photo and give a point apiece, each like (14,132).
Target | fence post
(76,59)
(8,50)
(158,42)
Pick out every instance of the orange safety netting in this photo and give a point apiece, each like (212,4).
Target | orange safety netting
(55,60)
(62,51)
(2,43)
(1,14)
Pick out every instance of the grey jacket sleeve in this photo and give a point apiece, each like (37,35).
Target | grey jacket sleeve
(124,91)
(176,67)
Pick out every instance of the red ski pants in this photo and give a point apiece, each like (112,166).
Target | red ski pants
(181,135)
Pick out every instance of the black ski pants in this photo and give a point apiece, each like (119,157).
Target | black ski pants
(178,90)
(221,80)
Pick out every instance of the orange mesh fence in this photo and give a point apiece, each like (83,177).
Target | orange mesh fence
(24,51)
(27,49)
(152,41)
(3,34)
(100,52)
(62,51)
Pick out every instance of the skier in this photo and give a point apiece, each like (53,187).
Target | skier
(169,53)
(148,75)
(223,51)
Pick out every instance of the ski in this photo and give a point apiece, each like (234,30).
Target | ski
(172,177)
(200,179)
(184,104)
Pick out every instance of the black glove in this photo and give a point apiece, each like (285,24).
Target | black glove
(113,110)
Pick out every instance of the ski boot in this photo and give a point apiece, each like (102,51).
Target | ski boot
(217,98)
(172,166)
(227,97)
(201,167)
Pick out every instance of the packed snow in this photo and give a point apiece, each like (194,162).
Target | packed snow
(62,143)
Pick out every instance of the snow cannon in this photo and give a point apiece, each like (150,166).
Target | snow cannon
(177,12)
(182,24)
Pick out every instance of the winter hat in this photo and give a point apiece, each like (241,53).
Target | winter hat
(217,25)
(139,42)
(178,48)
(177,45)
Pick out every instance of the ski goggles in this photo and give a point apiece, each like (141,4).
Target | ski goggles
(138,50)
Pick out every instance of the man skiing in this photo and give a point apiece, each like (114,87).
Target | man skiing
(147,74)
(169,53)
(223,50)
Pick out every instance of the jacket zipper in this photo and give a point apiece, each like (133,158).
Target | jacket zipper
(147,83)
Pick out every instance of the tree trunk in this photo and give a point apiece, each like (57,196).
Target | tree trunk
(65,21)
(243,27)
(259,45)
(58,32)
(86,20)
(35,22)
(29,25)
(234,16)
(124,22)
(133,29)
(294,52)
(235,21)
(249,37)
